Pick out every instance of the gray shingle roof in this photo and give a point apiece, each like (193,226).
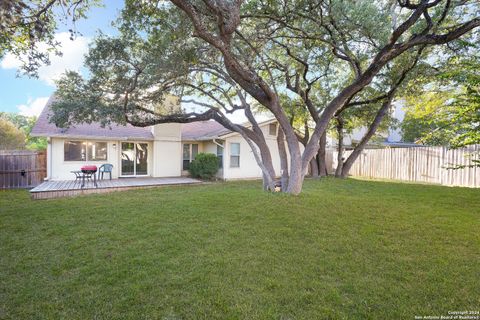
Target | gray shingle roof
(203,130)
(93,130)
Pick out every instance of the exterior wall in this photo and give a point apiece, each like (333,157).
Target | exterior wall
(164,159)
(58,169)
(167,157)
(209,147)
(248,168)
(167,150)
(167,131)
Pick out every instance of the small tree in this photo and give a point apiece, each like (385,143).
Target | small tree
(25,124)
(205,166)
(10,136)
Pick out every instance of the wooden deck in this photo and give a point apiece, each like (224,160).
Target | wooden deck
(66,188)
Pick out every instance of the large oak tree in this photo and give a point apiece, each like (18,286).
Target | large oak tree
(224,55)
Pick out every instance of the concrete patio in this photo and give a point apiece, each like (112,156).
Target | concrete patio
(66,188)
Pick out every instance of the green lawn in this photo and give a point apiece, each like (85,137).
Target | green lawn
(343,249)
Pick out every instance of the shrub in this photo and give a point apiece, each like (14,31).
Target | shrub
(205,166)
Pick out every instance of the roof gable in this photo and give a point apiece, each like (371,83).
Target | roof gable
(44,128)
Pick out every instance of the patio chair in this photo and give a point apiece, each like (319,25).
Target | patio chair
(105,168)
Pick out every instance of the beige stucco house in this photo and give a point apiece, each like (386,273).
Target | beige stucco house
(163,150)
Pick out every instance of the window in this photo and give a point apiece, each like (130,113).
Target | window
(194,151)
(186,156)
(97,151)
(190,151)
(74,151)
(220,156)
(83,150)
(272,129)
(234,155)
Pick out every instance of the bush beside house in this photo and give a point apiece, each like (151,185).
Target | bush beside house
(205,166)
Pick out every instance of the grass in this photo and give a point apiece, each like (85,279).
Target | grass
(343,249)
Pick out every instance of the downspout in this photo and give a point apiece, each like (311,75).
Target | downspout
(218,144)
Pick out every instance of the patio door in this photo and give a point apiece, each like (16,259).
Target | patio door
(134,159)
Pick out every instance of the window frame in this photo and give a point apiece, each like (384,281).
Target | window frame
(191,157)
(220,156)
(234,155)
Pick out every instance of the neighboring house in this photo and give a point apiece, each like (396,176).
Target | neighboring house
(392,138)
(163,150)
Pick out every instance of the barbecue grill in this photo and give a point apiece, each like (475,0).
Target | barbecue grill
(89,169)
(85,173)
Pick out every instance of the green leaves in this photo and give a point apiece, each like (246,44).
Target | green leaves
(204,166)
(15,132)
(25,26)
(448,110)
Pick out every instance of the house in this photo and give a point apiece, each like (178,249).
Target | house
(163,150)
(391,138)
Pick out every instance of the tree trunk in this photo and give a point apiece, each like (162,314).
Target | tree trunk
(296,177)
(283,159)
(340,125)
(368,135)
(321,156)
(314,168)
(295,180)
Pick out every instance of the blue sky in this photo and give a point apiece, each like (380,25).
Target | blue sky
(28,95)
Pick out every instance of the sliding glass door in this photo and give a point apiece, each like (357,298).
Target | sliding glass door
(134,159)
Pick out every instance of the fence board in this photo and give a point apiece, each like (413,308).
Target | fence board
(421,164)
(22,168)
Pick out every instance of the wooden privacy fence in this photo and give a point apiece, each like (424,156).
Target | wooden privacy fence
(420,164)
(22,168)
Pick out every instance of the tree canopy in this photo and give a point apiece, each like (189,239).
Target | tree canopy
(25,125)
(11,137)
(444,109)
(24,25)
(221,57)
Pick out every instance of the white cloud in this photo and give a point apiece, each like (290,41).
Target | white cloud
(33,107)
(10,62)
(72,58)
